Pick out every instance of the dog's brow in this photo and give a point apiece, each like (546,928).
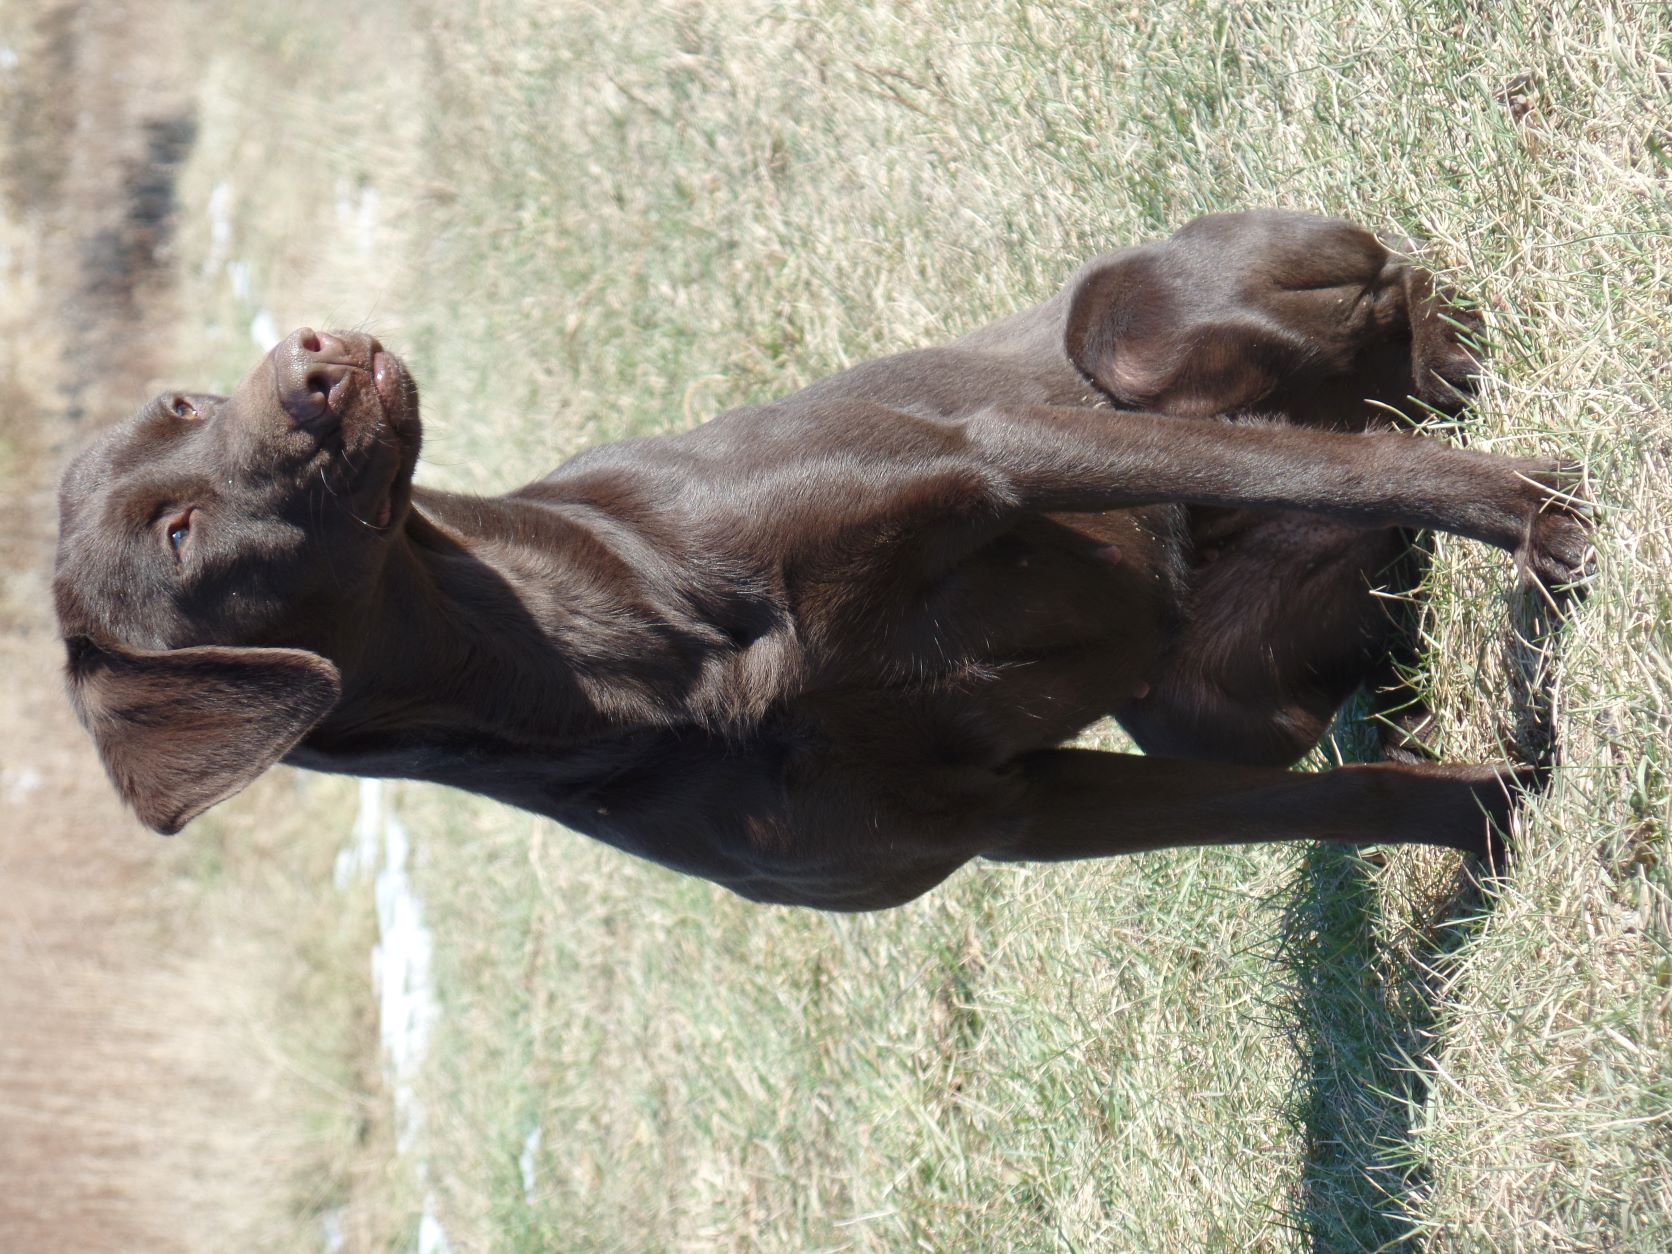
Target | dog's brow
(141,512)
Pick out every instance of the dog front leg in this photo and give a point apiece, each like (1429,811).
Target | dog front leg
(1082,803)
(1071,460)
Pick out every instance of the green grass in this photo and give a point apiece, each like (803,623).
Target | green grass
(610,222)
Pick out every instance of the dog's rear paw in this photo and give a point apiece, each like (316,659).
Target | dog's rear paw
(1499,791)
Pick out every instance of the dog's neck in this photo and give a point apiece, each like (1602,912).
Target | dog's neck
(520,621)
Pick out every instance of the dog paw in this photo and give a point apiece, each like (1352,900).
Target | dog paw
(1499,792)
(1446,334)
(1556,553)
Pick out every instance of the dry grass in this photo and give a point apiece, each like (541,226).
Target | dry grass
(609,221)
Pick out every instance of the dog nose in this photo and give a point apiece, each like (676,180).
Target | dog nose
(311,370)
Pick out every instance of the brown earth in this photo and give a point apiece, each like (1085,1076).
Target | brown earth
(135,1096)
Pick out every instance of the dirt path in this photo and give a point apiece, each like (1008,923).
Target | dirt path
(136,1105)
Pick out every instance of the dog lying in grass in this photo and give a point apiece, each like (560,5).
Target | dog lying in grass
(826,650)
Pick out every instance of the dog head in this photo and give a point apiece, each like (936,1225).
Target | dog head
(213,554)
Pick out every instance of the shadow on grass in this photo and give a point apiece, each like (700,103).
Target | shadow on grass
(1365,1014)
(1363,1020)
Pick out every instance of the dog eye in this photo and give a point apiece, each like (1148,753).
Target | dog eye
(178,530)
(182,408)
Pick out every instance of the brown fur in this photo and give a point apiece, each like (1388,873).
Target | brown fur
(826,650)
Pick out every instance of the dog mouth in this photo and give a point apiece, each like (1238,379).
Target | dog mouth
(385,511)
(378,495)
(391,381)
(397,403)
(357,405)
(391,482)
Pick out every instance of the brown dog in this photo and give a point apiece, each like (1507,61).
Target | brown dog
(824,651)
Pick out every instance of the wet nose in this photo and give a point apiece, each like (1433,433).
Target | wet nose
(311,370)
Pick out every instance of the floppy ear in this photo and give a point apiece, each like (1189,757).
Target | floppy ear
(1152,339)
(182,729)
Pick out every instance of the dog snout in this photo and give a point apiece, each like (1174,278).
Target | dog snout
(313,371)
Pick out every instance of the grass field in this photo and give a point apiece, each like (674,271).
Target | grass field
(583,222)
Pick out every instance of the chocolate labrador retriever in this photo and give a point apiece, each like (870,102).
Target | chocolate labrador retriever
(826,650)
